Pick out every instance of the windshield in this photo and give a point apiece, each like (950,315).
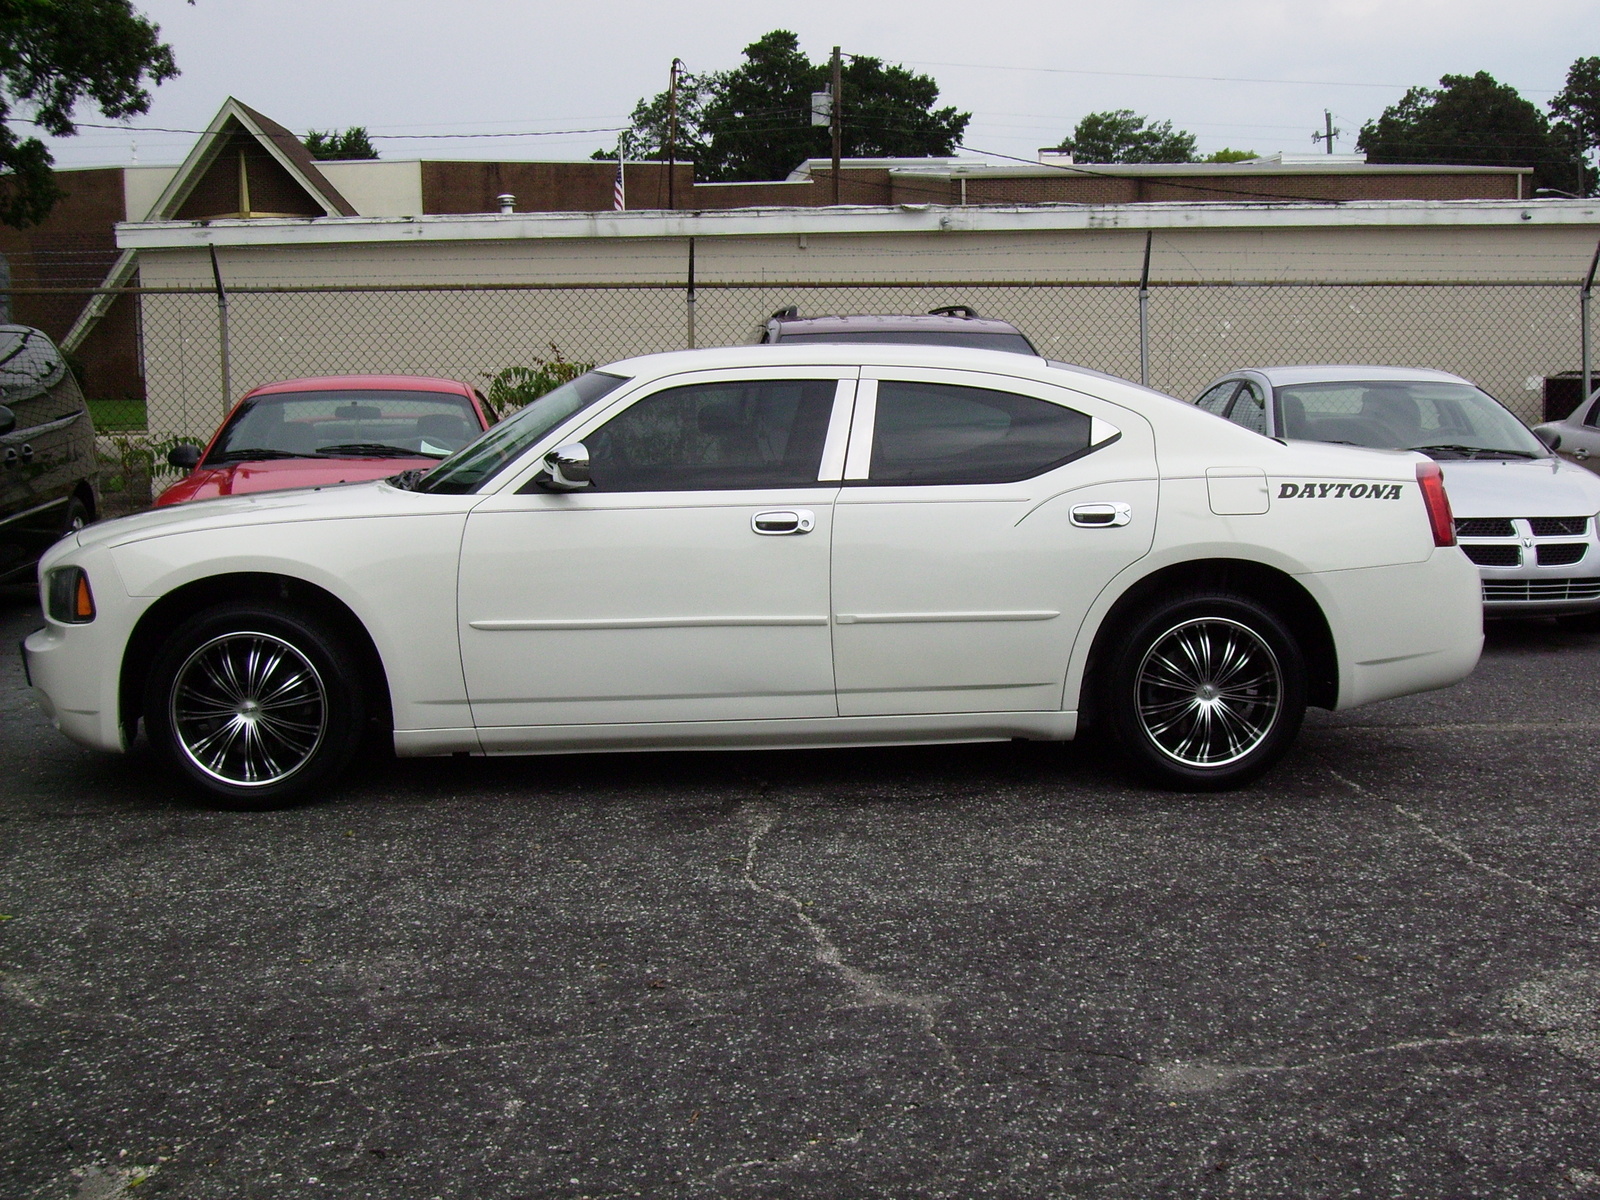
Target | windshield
(972,339)
(347,423)
(1443,419)
(507,441)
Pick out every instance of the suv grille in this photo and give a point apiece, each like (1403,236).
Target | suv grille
(1558,526)
(1484,527)
(1499,556)
(1561,553)
(1542,589)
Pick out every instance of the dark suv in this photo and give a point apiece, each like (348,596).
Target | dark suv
(953,325)
(48,468)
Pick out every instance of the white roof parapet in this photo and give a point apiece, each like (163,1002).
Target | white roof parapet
(910,218)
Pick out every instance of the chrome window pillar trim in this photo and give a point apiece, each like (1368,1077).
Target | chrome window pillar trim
(837,441)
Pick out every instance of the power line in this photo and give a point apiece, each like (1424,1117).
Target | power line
(1190,78)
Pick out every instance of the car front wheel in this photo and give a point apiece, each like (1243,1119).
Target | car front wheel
(255,705)
(1206,692)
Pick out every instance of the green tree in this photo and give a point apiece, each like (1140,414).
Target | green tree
(1226,155)
(753,122)
(53,54)
(1577,110)
(1474,120)
(350,143)
(1122,137)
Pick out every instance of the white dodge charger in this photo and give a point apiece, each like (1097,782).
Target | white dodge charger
(771,547)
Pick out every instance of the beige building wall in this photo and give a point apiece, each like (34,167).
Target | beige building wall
(1495,303)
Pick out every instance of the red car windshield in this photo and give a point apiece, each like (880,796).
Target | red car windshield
(350,423)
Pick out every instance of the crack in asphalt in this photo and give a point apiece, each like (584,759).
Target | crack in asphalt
(1460,851)
(871,990)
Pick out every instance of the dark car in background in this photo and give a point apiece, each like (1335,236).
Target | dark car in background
(952,325)
(49,472)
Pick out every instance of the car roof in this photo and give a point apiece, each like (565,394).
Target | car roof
(867,322)
(354,383)
(1348,373)
(877,354)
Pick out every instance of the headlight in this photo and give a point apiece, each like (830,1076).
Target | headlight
(68,598)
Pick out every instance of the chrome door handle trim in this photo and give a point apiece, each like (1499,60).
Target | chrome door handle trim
(780,521)
(1580,453)
(1100,516)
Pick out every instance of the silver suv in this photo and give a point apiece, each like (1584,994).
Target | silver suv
(952,325)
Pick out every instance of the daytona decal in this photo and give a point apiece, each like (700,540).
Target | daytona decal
(1339,491)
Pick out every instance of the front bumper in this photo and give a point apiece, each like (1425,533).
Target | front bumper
(1534,567)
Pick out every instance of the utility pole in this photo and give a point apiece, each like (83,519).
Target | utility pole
(836,121)
(1331,133)
(672,133)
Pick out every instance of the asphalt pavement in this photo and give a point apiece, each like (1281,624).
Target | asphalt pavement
(962,971)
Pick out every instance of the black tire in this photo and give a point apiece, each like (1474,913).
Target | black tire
(1205,692)
(76,516)
(255,705)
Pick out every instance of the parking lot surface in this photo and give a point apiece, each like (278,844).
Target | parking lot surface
(993,970)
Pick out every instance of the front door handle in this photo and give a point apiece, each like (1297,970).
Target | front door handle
(780,521)
(27,453)
(1100,516)
(1580,453)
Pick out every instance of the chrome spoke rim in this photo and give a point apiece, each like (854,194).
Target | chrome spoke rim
(1208,692)
(249,709)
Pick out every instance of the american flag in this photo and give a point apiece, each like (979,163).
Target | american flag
(619,194)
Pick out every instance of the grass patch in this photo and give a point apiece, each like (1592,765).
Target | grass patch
(117,416)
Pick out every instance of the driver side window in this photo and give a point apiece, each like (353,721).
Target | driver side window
(715,436)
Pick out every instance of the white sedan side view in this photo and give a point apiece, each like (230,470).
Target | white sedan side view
(765,546)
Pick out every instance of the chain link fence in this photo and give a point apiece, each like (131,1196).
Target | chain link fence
(1507,337)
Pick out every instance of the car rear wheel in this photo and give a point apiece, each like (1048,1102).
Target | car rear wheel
(255,705)
(1206,692)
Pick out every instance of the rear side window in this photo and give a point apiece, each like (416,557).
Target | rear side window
(1249,409)
(715,436)
(1216,399)
(932,433)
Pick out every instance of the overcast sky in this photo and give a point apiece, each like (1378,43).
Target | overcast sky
(1026,71)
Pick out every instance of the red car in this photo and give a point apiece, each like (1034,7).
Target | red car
(337,429)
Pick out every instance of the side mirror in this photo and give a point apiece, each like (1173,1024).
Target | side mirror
(1549,437)
(566,469)
(8,420)
(184,457)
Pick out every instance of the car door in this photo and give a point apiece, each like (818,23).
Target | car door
(689,583)
(979,519)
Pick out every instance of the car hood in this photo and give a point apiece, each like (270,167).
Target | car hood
(1540,487)
(333,502)
(271,475)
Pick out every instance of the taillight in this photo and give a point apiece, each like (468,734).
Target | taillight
(1431,480)
(68,596)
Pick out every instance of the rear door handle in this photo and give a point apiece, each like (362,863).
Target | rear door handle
(781,521)
(1100,516)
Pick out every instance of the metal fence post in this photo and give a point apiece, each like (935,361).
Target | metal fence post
(1583,322)
(1144,312)
(222,335)
(691,294)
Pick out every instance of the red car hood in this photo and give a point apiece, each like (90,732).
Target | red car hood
(279,474)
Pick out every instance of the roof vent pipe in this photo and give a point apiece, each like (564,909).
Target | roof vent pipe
(508,202)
